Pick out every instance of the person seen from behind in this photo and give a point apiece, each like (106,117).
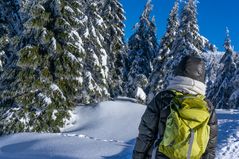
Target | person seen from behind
(179,123)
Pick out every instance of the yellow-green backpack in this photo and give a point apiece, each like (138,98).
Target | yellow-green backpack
(187,132)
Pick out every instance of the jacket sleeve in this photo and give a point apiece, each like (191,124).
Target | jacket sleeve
(147,131)
(211,147)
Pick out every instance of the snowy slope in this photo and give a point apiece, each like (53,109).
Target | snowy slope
(108,131)
(100,131)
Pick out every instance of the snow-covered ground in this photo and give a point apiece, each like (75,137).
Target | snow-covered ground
(108,131)
(228,142)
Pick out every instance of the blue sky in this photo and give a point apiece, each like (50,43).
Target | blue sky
(213,18)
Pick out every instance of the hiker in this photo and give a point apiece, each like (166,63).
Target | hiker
(179,123)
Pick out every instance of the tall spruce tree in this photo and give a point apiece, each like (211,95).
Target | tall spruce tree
(188,41)
(4,46)
(222,89)
(228,48)
(10,27)
(212,66)
(113,15)
(10,16)
(234,98)
(39,92)
(96,70)
(155,82)
(142,50)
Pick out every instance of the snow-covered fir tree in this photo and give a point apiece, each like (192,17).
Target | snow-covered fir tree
(10,27)
(96,71)
(113,15)
(188,41)
(234,98)
(38,93)
(10,16)
(228,48)
(142,47)
(222,88)
(155,84)
(212,65)
(4,42)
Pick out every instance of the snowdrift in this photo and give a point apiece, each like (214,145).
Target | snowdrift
(105,131)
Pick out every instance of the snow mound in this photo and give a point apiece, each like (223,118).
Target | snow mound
(140,94)
(109,119)
(107,130)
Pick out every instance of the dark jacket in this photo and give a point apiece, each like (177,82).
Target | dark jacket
(153,124)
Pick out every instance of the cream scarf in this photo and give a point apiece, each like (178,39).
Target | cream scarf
(187,85)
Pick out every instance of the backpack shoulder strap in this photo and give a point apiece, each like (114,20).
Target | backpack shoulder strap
(161,96)
(210,105)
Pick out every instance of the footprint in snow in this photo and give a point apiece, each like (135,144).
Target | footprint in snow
(96,139)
